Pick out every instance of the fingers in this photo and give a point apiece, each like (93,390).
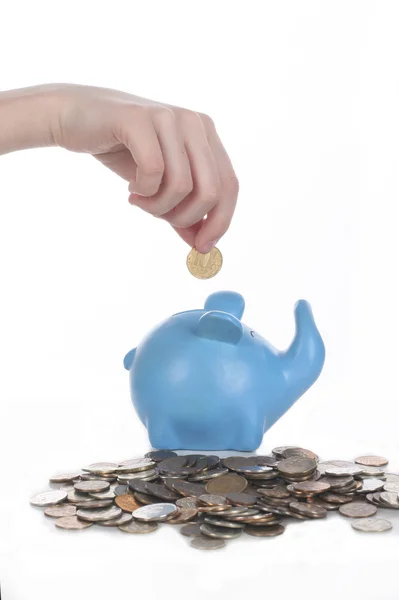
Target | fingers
(205,176)
(219,218)
(142,141)
(183,174)
(177,181)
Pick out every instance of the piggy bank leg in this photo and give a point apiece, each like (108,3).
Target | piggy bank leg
(250,435)
(161,435)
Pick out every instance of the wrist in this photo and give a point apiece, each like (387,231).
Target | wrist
(27,117)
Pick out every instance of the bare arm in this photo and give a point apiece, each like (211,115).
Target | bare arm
(172,158)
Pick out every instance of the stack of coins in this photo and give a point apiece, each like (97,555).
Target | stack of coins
(218,499)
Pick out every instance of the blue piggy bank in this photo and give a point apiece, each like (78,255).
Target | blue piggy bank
(202,380)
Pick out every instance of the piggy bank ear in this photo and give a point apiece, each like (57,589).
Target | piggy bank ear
(220,326)
(229,302)
(129,358)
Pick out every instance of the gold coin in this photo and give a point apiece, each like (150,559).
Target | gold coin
(204,266)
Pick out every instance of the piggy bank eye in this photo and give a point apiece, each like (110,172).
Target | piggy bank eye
(253,333)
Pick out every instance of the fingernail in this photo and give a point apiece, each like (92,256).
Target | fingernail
(208,247)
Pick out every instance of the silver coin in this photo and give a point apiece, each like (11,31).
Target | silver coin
(191,530)
(211,474)
(211,499)
(391,477)
(74,496)
(390,499)
(234,511)
(94,504)
(64,477)
(224,523)
(122,520)
(101,514)
(72,523)
(139,527)
(49,498)
(107,495)
(339,471)
(371,485)
(136,465)
(155,512)
(60,510)
(67,487)
(224,533)
(147,475)
(371,471)
(322,466)
(101,468)
(392,487)
(204,543)
(91,486)
(188,502)
(372,525)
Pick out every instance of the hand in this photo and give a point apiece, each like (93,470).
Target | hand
(173,159)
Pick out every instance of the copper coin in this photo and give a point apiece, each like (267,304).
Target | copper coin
(127,503)
(64,477)
(313,487)
(241,499)
(308,510)
(60,510)
(204,543)
(265,531)
(358,510)
(226,484)
(124,519)
(139,527)
(186,514)
(336,498)
(219,508)
(371,461)
(91,486)
(234,511)
(297,466)
(72,523)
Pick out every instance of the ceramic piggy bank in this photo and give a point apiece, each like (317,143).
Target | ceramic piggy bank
(202,380)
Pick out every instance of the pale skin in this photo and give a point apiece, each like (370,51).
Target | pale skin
(175,164)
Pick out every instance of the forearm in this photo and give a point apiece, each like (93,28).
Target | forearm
(26,118)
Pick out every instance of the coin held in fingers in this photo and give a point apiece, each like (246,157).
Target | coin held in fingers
(204,266)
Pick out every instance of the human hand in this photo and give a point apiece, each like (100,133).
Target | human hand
(173,159)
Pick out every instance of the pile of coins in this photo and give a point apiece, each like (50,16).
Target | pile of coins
(218,499)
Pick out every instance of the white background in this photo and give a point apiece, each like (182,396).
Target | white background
(305,96)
